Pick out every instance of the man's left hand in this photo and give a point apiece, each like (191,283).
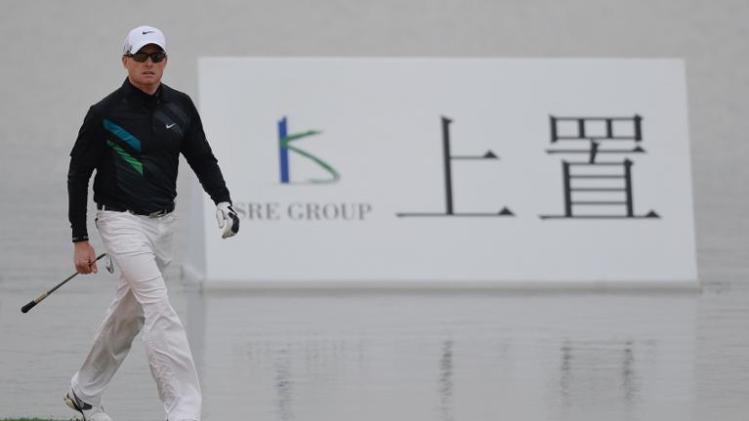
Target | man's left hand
(228,221)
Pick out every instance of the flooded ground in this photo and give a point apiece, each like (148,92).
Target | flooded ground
(405,356)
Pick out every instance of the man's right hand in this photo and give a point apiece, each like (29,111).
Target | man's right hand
(84,258)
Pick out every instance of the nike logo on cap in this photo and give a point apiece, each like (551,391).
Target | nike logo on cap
(147,32)
(169,126)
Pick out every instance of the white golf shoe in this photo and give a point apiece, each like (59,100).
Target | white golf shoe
(87,411)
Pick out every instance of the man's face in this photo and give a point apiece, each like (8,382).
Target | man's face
(145,75)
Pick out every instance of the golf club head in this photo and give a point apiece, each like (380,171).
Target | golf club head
(109,265)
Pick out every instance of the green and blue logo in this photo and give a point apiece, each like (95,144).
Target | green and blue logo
(285,140)
(127,139)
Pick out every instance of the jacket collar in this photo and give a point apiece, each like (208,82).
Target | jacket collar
(136,95)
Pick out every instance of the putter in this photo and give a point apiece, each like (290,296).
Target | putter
(44,295)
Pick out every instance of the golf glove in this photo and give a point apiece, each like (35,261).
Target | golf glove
(228,221)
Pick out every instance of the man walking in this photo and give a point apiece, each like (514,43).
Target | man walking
(133,138)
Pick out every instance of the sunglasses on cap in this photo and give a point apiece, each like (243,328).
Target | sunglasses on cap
(156,57)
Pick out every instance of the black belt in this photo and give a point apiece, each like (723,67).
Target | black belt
(154,214)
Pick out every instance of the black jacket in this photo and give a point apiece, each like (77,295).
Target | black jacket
(133,141)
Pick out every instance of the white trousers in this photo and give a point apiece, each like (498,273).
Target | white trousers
(141,248)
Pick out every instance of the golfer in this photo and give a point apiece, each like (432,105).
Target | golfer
(133,138)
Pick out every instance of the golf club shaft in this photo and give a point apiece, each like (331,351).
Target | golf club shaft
(44,295)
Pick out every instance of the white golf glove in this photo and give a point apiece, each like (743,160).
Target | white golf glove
(228,221)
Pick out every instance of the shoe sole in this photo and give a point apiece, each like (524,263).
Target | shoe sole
(71,404)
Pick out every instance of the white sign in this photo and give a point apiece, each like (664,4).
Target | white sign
(459,171)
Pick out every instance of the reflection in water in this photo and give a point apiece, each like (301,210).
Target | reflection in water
(628,375)
(605,370)
(366,357)
(446,381)
(566,357)
(566,373)
(195,321)
(283,384)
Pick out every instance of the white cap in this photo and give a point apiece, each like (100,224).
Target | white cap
(142,36)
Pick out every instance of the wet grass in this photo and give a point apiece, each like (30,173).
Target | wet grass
(31,419)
